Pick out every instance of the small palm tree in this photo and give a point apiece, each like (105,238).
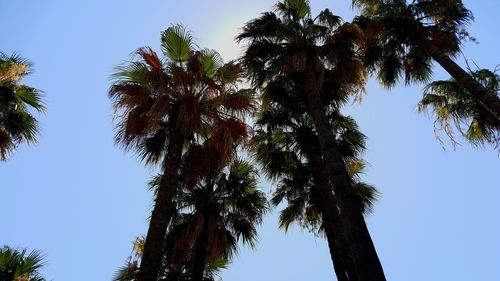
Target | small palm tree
(19,265)
(168,271)
(290,44)
(453,105)
(211,217)
(167,105)
(214,214)
(17,124)
(403,38)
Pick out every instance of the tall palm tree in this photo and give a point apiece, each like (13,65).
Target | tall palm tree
(17,124)
(211,217)
(288,149)
(454,105)
(405,37)
(19,265)
(290,43)
(164,105)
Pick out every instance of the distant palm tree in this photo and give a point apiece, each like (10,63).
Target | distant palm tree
(211,217)
(404,37)
(167,105)
(454,105)
(214,214)
(168,271)
(18,265)
(290,44)
(17,124)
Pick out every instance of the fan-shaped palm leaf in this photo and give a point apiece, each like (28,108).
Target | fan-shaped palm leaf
(177,43)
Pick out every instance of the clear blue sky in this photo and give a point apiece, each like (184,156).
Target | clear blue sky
(82,200)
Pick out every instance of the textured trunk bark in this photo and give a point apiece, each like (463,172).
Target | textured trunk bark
(200,255)
(361,248)
(327,205)
(488,101)
(162,213)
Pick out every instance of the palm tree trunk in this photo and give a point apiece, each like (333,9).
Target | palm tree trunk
(333,232)
(333,229)
(479,93)
(200,254)
(327,205)
(174,275)
(340,259)
(361,248)
(162,213)
(344,252)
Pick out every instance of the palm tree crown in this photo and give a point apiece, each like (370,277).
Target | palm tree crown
(19,265)
(186,93)
(404,37)
(17,124)
(215,213)
(284,145)
(211,217)
(453,105)
(288,149)
(392,28)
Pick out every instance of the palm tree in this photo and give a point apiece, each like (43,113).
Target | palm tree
(404,37)
(164,105)
(453,105)
(17,124)
(289,43)
(288,149)
(214,214)
(168,271)
(18,265)
(211,217)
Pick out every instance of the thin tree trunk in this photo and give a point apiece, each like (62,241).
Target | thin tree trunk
(327,205)
(479,93)
(162,213)
(200,254)
(341,259)
(334,233)
(361,248)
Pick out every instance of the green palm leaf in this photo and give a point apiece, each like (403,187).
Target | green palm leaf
(177,43)
(18,264)
(299,8)
(17,124)
(211,61)
(456,111)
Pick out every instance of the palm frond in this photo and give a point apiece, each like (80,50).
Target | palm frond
(456,111)
(367,196)
(326,17)
(177,43)
(18,264)
(31,96)
(211,61)
(296,8)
